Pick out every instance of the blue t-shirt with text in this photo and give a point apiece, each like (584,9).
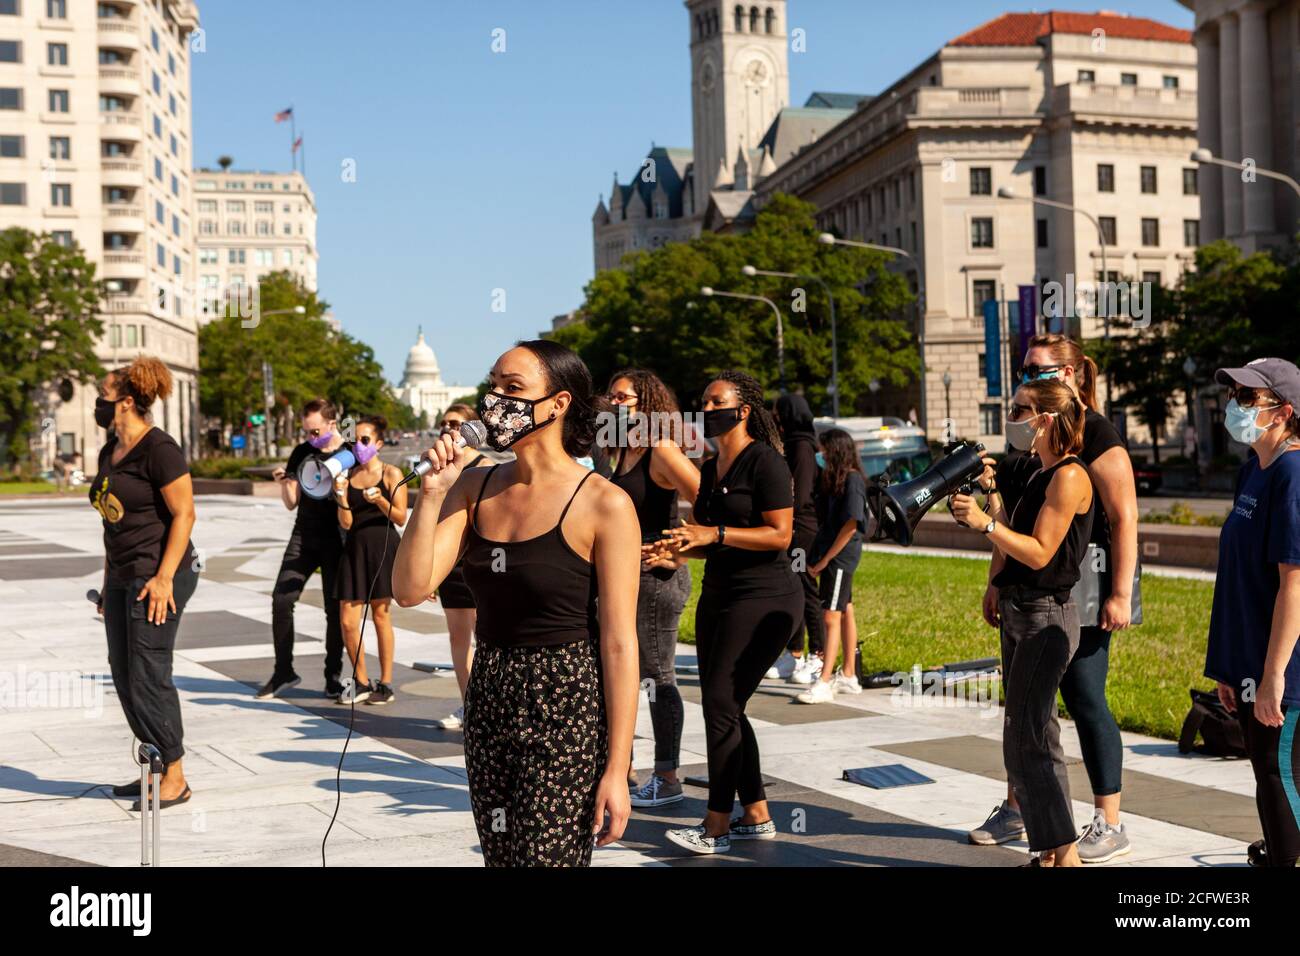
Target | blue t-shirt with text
(1261,532)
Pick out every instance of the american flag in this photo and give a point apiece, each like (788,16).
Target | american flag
(283,115)
(296,143)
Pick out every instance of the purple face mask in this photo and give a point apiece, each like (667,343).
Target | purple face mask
(320,442)
(364,452)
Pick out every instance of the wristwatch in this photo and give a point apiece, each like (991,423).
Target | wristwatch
(722,533)
(988,528)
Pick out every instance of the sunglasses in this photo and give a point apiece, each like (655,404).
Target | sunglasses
(366,439)
(1247,397)
(1021,412)
(1030,373)
(621,398)
(316,432)
(451,424)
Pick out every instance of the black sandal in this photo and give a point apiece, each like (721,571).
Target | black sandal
(164,804)
(131,789)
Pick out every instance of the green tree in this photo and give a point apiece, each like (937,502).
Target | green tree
(48,328)
(653,314)
(307,357)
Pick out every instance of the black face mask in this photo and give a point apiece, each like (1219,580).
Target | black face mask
(719,421)
(104,410)
(509,419)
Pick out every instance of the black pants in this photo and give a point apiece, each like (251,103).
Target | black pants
(1039,636)
(304,555)
(1275,759)
(812,622)
(140,657)
(736,641)
(536,746)
(1084,691)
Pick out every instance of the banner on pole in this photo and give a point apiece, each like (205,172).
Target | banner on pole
(993,348)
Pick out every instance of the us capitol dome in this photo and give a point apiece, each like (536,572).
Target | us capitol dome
(422,386)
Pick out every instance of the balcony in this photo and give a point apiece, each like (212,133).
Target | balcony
(123,217)
(941,102)
(117,303)
(122,172)
(119,80)
(1138,104)
(124,265)
(119,32)
(121,124)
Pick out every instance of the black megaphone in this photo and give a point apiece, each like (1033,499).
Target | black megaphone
(899,508)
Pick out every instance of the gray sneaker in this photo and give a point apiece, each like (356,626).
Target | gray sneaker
(1101,842)
(1003,825)
(657,792)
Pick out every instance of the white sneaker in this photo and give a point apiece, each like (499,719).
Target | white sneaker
(822,692)
(455,722)
(846,685)
(808,671)
(785,665)
(693,839)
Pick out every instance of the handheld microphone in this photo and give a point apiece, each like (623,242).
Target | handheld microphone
(470,433)
(317,475)
(93,597)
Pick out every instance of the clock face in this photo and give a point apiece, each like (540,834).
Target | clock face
(756,73)
(707,77)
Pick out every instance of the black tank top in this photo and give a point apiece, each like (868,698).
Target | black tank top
(533,593)
(1061,573)
(656,507)
(365,513)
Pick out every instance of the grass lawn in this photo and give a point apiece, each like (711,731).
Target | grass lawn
(918,609)
(27,487)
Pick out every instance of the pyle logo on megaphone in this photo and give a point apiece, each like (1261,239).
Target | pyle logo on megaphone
(923,496)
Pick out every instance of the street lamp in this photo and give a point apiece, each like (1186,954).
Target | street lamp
(947,405)
(709,291)
(1005,192)
(835,346)
(828,239)
(1203,155)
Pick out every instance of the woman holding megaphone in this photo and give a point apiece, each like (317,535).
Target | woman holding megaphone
(1042,547)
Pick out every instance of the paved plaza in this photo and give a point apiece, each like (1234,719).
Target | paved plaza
(263,773)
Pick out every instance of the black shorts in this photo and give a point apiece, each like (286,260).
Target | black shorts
(835,586)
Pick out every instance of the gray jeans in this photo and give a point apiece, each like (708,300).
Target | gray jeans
(658,611)
(1039,637)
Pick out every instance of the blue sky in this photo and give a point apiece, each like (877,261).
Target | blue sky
(478,171)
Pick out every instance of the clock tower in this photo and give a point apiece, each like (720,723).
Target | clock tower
(740,80)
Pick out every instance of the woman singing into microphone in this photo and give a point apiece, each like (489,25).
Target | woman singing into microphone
(750,604)
(551,702)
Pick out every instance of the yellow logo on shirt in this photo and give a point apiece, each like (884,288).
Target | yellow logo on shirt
(106,503)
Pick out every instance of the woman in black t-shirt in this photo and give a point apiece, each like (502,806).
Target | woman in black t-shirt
(750,603)
(143,492)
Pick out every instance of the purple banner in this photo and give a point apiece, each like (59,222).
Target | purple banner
(1028,322)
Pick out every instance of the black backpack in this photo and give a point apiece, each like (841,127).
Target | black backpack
(1219,729)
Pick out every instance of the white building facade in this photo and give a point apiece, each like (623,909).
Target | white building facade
(1248,58)
(1097,111)
(250,223)
(95,149)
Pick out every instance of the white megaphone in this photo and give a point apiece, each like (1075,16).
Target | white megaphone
(317,476)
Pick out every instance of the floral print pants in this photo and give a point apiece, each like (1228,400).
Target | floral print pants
(535,750)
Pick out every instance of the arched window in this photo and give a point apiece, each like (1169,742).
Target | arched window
(753,19)
(699,27)
(740,19)
(770,20)
(713,19)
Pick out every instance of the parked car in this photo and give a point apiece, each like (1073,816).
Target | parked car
(1148,478)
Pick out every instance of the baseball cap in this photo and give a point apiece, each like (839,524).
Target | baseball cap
(1275,374)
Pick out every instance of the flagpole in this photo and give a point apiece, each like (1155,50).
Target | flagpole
(293,138)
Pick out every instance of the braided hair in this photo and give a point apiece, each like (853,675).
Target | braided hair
(760,424)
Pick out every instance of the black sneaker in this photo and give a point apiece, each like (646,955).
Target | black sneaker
(277,685)
(354,693)
(382,694)
(333,687)
(1257,854)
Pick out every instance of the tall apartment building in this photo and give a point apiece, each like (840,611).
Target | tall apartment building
(249,224)
(1248,56)
(1097,111)
(95,149)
